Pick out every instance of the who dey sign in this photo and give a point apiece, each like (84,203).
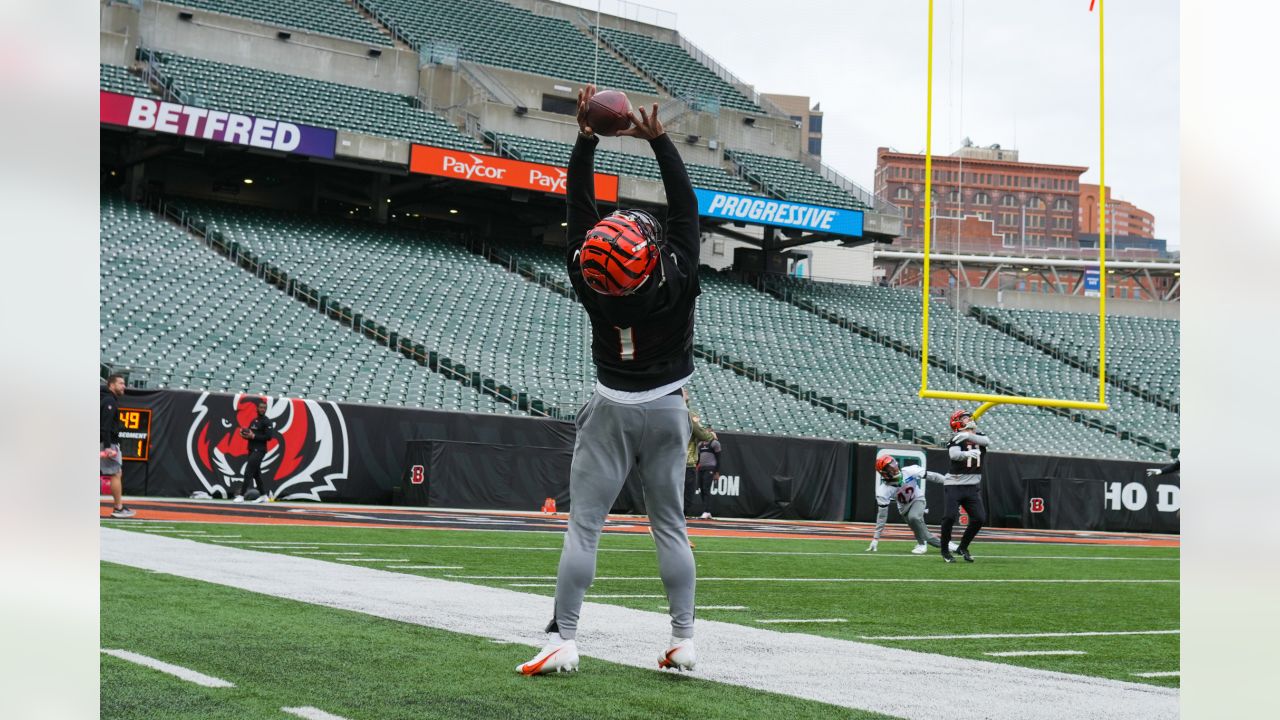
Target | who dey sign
(779,213)
(494,170)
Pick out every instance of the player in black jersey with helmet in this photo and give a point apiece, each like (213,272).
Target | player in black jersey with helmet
(963,483)
(638,281)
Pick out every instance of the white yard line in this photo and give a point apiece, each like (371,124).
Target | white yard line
(425,567)
(1173,673)
(175,670)
(310,713)
(1031,581)
(1031,653)
(365,559)
(800,621)
(624,596)
(723,607)
(993,636)
(779,553)
(284,547)
(542,585)
(795,664)
(320,552)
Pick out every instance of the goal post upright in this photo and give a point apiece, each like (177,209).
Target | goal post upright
(989,401)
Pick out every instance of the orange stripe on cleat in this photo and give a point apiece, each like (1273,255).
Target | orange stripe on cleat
(527,669)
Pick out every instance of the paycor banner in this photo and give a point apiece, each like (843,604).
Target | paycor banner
(778,213)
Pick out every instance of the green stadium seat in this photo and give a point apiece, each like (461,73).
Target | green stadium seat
(678,72)
(114,78)
(247,90)
(492,32)
(793,180)
(327,17)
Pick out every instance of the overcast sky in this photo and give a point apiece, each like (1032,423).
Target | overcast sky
(1029,80)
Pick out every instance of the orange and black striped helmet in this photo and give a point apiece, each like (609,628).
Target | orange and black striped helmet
(620,252)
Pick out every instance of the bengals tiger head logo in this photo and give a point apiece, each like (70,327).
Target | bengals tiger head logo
(302,464)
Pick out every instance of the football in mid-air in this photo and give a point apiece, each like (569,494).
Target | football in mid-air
(607,113)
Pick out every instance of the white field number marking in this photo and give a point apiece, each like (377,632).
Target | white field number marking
(175,670)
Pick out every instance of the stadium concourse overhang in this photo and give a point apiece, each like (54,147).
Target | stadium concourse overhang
(1055,271)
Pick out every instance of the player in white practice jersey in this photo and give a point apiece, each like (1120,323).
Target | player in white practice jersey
(905,486)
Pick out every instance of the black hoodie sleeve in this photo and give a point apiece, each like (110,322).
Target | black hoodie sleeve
(682,204)
(580,190)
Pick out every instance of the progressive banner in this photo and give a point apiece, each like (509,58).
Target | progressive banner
(779,213)
(494,170)
(216,125)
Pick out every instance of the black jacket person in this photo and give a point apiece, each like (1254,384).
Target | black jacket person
(261,431)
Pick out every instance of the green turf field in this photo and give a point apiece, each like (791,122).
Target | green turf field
(281,652)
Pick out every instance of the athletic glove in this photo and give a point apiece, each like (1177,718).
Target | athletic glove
(1152,472)
(872,547)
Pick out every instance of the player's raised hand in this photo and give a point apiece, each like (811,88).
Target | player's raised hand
(645,127)
(584,99)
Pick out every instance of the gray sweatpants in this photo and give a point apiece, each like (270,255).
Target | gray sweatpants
(913,514)
(612,439)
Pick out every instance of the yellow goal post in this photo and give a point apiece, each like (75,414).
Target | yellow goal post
(989,401)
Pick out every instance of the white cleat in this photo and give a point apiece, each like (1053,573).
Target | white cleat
(705,516)
(953,546)
(920,549)
(681,655)
(260,499)
(238,498)
(557,656)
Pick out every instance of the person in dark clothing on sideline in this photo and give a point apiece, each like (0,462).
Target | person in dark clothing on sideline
(1171,468)
(109,462)
(259,433)
(697,434)
(638,282)
(708,470)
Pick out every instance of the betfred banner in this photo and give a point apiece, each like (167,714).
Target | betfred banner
(779,213)
(228,127)
(494,170)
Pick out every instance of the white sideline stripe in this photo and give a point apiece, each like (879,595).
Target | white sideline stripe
(365,559)
(557,548)
(425,567)
(310,713)
(723,607)
(1032,581)
(175,670)
(794,664)
(993,636)
(625,596)
(284,547)
(794,621)
(1173,673)
(531,585)
(1029,653)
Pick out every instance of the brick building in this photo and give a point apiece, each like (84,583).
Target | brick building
(1031,205)
(1123,218)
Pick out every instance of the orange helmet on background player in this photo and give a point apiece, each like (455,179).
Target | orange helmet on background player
(887,466)
(620,252)
(961,419)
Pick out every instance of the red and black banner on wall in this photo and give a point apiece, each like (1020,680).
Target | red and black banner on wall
(340,452)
